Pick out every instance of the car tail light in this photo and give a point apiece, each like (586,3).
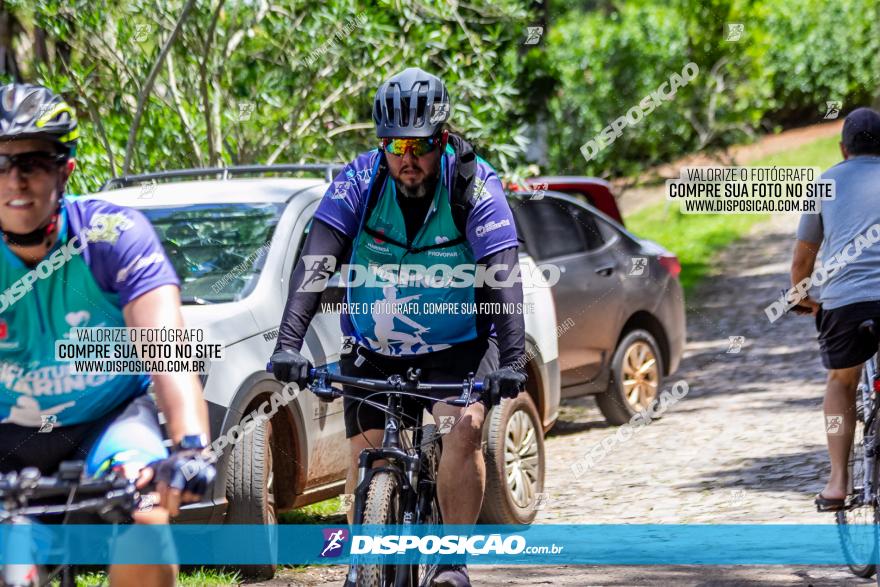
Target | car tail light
(877,386)
(671,263)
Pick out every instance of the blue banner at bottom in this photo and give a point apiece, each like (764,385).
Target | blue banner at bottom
(662,544)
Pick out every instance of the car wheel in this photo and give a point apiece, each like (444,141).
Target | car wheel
(636,375)
(250,492)
(514,449)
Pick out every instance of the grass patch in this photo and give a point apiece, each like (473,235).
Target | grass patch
(323,512)
(697,238)
(196,578)
(694,238)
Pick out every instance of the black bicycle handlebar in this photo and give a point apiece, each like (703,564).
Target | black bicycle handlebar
(320,380)
(104,495)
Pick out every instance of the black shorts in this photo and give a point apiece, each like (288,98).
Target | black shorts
(840,342)
(452,365)
(128,434)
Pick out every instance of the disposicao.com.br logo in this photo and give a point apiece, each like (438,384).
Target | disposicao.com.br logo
(492,544)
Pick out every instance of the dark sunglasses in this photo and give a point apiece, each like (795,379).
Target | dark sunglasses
(33,161)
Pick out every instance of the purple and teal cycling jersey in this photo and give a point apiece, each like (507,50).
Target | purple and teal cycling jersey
(489,229)
(82,282)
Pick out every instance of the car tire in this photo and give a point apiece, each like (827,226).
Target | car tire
(249,491)
(638,357)
(513,477)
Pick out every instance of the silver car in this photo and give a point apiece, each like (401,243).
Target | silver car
(233,242)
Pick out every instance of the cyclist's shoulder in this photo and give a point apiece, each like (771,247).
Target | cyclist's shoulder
(365,160)
(104,221)
(124,253)
(857,165)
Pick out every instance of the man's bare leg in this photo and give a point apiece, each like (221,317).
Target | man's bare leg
(462,477)
(145,575)
(840,400)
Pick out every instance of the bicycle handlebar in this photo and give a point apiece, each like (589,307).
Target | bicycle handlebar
(105,495)
(321,378)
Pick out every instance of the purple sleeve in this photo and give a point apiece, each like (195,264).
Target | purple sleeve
(125,254)
(346,197)
(490,226)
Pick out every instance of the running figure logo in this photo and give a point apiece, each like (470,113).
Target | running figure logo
(334,539)
(386,313)
(319,268)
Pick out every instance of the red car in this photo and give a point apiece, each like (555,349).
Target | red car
(596,192)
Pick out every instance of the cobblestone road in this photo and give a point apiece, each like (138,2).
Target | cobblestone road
(745,445)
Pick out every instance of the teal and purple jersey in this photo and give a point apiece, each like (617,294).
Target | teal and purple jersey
(392,326)
(490,225)
(105,257)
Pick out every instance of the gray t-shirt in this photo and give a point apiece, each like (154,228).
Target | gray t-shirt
(843,229)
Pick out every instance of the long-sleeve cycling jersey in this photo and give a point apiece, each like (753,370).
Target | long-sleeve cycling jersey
(325,241)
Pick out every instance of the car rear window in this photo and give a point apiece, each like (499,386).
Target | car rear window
(218,250)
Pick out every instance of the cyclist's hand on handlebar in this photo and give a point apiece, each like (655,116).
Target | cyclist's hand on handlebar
(288,365)
(504,382)
(806,306)
(182,478)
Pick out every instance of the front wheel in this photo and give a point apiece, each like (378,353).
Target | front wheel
(382,507)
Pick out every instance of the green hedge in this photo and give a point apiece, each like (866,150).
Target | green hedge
(793,57)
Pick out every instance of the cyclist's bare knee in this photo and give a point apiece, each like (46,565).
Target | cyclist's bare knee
(848,377)
(466,434)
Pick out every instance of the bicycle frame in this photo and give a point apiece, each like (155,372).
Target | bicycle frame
(408,467)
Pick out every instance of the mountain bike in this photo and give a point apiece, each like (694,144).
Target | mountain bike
(862,506)
(112,498)
(404,490)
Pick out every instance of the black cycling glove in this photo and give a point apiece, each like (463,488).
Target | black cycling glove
(288,365)
(187,470)
(504,382)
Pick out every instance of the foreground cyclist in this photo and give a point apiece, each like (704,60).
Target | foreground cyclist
(411,217)
(851,294)
(121,278)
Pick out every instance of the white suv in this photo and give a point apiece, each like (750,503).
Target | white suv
(233,242)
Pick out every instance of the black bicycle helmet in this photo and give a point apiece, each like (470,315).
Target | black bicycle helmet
(34,112)
(412,103)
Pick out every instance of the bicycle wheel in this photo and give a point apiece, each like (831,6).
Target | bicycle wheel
(856,549)
(429,504)
(382,507)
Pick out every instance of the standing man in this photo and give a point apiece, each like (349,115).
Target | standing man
(851,294)
(423,197)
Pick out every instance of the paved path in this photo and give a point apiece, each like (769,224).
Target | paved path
(745,445)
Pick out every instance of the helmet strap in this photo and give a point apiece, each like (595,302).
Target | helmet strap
(40,235)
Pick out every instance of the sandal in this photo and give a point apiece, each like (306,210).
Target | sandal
(824,504)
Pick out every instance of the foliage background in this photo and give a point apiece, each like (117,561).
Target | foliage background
(184,83)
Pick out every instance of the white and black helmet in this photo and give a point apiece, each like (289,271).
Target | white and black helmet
(412,103)
(34,112)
